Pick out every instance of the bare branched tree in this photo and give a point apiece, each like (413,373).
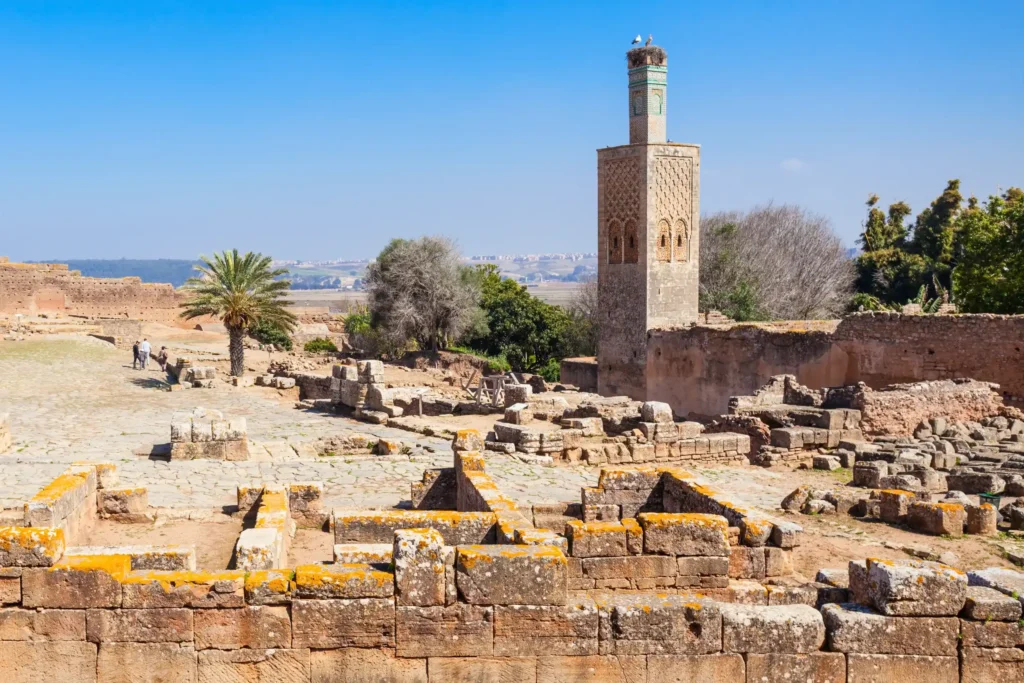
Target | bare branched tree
(582,333)
(418,290)
(775,262)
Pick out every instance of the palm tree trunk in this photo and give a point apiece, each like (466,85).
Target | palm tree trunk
(237,350)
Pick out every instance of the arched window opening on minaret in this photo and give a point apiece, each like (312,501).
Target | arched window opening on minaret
(664,249)
(631,250)
(682,241)
(614,242)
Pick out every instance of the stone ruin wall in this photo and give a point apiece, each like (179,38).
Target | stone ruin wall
(49,288)
(697,369)
(480,594)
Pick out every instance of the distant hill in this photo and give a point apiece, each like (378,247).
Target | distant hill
(175,271)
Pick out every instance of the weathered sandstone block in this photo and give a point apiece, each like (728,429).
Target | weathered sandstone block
(459,669)
(894,505)
(146,663)
(76,583)
(342,581)
(28,662)
(658,624)
(149,589)
(378,526)
(279,666)
(571,629)
(367,622)
(30,547)
(916,588)
(883,668)
(795,629)
(856,628)
(985,604)
(458,630)
(991,633)
(938,519)
(360,664)
(980,665)
(596,539)
(784,668)
(269,587)
(252,626)
(165,625)
(685,534)
(42,625)
(981,520)
(419,567)
(509,575)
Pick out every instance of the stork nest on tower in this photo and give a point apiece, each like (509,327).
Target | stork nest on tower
(647,55)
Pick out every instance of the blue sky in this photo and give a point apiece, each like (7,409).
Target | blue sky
(321,129)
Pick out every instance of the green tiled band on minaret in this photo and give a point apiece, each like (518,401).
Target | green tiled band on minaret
(648,88)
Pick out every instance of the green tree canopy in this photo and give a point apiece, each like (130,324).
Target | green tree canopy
(989,277)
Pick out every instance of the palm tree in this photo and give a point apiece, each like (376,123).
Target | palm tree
(241,291)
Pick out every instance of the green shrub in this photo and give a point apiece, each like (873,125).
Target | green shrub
(358,321)
(551,371)
(495,364)
(320,345)
(269,333)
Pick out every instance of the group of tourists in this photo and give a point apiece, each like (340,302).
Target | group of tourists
(141,352)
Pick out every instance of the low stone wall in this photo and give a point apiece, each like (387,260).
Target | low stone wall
(697,369)
(580,372)
(206,434)
(415,608)
(899,409)
(34,288)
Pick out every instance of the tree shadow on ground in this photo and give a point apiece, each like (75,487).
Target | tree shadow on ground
(150,383)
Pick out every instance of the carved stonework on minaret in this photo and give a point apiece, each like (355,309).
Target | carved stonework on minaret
(648,230)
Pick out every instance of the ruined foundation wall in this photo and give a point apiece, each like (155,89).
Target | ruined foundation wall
(696,369)
(888,348)
(34,288)
(580,372)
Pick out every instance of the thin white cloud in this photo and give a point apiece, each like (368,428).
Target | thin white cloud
(793,165)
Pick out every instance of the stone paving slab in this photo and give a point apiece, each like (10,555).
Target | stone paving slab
(79,399)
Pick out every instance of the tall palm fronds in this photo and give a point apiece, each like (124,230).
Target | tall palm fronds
(240,290)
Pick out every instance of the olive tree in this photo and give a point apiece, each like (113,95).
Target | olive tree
(420,290)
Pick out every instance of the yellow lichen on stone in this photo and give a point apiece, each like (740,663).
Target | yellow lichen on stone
(59,487)
(118,566)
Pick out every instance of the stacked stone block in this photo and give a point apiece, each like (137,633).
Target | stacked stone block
(190,376)
(265,546)
(204,433)
(415,608)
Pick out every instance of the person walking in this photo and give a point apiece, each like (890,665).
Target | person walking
(161,358)
(135,355)
(144,350)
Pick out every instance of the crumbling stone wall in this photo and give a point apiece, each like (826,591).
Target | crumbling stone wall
(696,369)
(418,608)
(579,372)
(32,288)
(901,408)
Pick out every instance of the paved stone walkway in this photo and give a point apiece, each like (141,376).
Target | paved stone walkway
(79,399)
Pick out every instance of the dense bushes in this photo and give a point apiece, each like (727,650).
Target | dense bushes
(268,333)
(320,345)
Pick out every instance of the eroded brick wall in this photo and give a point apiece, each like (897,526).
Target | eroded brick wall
(31,289)
(696,369)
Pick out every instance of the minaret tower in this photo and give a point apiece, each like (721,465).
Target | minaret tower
(648,213)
